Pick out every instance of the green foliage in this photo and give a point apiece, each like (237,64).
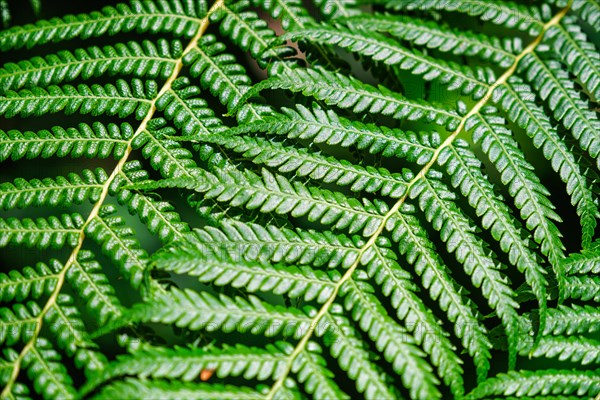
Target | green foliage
(294,199)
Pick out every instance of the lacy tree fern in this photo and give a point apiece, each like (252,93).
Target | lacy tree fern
(383,210)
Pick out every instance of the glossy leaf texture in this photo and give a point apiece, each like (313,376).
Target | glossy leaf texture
(286,199)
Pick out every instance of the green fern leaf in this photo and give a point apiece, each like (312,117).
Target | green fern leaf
(188,363)
(344,92)
(74,189)
(390,338)
(275,193)
(42,233)
(98,140)
(436,277)
(529,194)
(567,38)
(212,267)
(517,98)
(549,79)
(357,362)
(304,163)
(506,13)
(332,9)
(193,311)
(313,374)
(257,243)
(251,33)
(291,12)
(583,287)
(119,243)
(18,324)
(391,52)
(147,60)
(328,128)
(396,284)
(587,10)
(574,319)
(586,262)
(66,325)
(90,283)
(160,217)
(134,389)
(50,377)
(121,99)
(139,15)
(536,384)
(433,36)
(28,283)
(218,71)
(293,199)
(457,232)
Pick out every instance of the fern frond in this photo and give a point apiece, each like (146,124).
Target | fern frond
(187,110)
(396,284)
(291,12)
(65,323)
(187,363)
(165,155)
(251,242)
(575,349)
(587,10)
(251,34)
(327,127)
(189,309)
(573,319)
(121,99)
(18,324)
(29,283)
(274,193)
(272,184)
(465,172)
(159,216)
(333,9)
(49,376)
(436,278)
(348,348)
(517,99)
(135,389)
(347,92)
(583,288)
(209,266)
(505,13)
(147,60)
(530,196)
(434,36)
(555,85)
(118,242)
(75,189)
(97,140)
(586,262)
(457,232)
(396,344)
(218,71)
(181,18)
(579,54)
(314,165)
(51,232)
(539,383)
(380,48)
(89,282)
(312,372)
